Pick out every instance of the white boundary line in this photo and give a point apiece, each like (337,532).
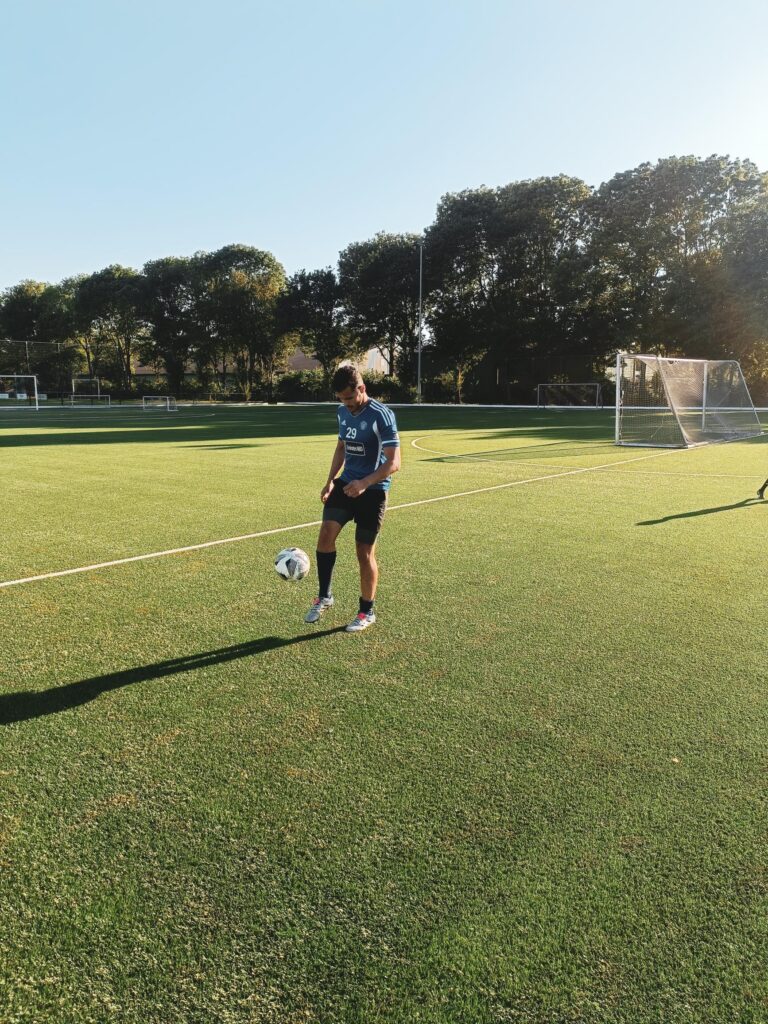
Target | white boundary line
(302,526)
(155,554)
(502,464)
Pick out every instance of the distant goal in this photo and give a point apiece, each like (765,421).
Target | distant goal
(19,391)
(589,394)
(678,403)
(86,392)
(158,403)
(90,401)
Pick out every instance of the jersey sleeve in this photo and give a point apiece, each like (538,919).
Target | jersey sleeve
(388,429)
(338,420)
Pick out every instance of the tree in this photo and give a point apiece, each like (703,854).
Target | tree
(312,306)
(745,269)
(659,235)
(108,306)
(244,285)
(510,284)
(173,303)
(379,281)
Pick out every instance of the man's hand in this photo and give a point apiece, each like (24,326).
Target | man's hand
(326,492)
(355,489)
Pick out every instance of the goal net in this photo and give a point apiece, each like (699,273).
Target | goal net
(101,401)
(86,391)
(163,403)
(589,394)
(19,391)
(678,403)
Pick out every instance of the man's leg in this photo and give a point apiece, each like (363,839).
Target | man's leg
(369,577)
(326,559)
(326,555)
(369,516)
(369,570)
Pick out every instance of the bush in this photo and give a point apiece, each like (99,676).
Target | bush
(387,389)
(441,389)
(302,386)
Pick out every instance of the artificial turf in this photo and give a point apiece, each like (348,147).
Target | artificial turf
(534,792)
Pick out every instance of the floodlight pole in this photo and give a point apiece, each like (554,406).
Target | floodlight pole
(418,350)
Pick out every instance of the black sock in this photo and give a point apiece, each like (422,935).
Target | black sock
(366,607)
(325,562)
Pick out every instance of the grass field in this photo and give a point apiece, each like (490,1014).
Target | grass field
(534,792)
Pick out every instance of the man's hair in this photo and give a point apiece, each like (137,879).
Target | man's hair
(346,377)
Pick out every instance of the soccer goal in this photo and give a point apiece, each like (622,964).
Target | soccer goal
(19,391)
(679,403)
(81,401)
(86,391)
(589,394)
(161,403)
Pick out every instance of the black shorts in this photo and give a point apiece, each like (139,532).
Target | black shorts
(367,511)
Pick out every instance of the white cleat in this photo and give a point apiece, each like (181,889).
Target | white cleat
(319,605)
(360,622)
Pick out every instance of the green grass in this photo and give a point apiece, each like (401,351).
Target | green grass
(534,792)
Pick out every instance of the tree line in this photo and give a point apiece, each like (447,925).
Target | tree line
(533,281)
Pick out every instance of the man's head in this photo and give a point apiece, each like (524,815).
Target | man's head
(349,388)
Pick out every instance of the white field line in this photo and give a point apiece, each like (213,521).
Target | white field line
(301,526)
(553,465)
(154,554)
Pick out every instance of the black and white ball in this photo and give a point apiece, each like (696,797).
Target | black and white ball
(292,564)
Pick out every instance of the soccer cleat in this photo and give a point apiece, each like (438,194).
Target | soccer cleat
(319,605)
(360,622)
(761,492)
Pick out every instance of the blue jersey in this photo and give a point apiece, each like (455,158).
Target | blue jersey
(365,436)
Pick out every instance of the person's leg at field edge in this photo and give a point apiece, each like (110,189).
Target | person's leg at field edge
(369,578)
(326,559)
(369,570)
(369,518)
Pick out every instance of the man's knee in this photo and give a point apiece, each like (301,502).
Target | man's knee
(329,531)
(365,552)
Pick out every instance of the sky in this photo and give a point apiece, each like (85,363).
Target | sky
(133,131)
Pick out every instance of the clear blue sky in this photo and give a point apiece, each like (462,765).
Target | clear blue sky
(131,131)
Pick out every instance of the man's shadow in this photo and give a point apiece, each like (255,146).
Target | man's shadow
(23,705)
(702,512)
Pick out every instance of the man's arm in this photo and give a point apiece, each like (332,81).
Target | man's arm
(336,463)
(390,465)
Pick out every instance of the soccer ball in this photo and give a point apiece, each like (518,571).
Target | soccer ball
(292,564)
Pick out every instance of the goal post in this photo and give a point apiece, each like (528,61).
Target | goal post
(161,403)
(679,403)
(19,391)
(588,394)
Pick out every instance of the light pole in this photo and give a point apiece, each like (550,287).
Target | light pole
(418,350)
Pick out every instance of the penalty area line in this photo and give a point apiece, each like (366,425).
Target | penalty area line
(302,526)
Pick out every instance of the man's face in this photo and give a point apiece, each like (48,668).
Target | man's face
(353,399)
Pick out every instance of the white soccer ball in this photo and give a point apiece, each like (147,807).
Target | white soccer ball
(292,564)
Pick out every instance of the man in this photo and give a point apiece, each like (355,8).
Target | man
(369,450)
